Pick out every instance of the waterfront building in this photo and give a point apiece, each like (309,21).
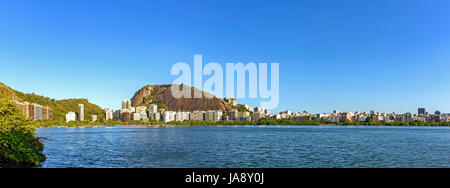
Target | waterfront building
(345,116)
(209,115)
(259,109)
(407,117)
(169,116)
(421,111)
(50,114)
(71,116)
(26,109)
(335,118)
(155,116)
(258,115)
(81,112)
(322,116)
(187,115)
(126,104)
(153,108)
(109,114)
(136,116)
(45,113)
(362,119)
(244,105)
(125,115)
(234,115)
(287,112)
(116,114)
(231,100)
(276,116)
(37,112)
(182,116)
(179,116)
(243,114)
(141,109)
(419,118)
(31,112)
(213,115)
(144,115)
(218,115)
(94,118)
(197,115)
(438,113)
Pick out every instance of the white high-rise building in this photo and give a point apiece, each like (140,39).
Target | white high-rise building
(81,112)
(197,116)
(109,114)
(153,108)
(155,116)
(71,116)
(212,115)
(37,112)
(179,116)
(169,116)
(116,114)
(141,109)
(94,118)
(259,109)
(182,116)
(136,117)
(126,104)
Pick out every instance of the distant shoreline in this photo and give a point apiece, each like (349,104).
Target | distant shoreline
(172,125)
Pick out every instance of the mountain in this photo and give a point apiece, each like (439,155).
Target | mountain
(60,107)
(162,96)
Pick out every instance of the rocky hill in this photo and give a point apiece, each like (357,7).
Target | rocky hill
(60,107)
(162,95)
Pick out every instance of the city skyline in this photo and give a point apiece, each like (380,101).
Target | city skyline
(244,113)
(387,56)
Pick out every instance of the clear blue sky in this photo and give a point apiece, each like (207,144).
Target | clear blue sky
(352,55)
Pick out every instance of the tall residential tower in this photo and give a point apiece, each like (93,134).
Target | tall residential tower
(81,112)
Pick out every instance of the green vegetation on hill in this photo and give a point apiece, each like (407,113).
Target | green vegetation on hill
(18,145)
(241,109)
(6,92)
(60,107)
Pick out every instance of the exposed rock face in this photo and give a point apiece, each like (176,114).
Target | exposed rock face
(161,94)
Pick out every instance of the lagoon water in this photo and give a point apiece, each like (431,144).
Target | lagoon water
(246,146)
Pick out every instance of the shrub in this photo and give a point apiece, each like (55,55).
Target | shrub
(18,145)
(19,150)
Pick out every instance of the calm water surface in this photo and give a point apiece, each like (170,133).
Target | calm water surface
(247,146)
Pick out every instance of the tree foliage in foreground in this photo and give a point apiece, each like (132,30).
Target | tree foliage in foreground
(18,145)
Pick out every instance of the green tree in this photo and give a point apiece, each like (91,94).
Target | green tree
(369,120)
(18,145)
(13,121)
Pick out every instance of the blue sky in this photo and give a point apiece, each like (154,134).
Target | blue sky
(351,55)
